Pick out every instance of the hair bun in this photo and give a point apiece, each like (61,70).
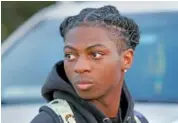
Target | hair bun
(109,10)
(87,10)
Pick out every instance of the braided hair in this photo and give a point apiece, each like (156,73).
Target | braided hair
(122,28)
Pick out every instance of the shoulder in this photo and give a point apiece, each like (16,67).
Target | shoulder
(46,115)
(139,117)
(56,111)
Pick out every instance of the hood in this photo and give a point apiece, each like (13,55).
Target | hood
(58,86)
(57,82)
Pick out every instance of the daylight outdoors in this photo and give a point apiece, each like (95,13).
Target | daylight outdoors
(31,44)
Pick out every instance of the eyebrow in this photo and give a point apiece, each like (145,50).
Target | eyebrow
(88,48)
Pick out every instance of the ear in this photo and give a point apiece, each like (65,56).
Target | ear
(127,59)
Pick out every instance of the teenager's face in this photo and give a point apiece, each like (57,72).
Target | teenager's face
(92,63)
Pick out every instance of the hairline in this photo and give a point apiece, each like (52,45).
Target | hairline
(118,40)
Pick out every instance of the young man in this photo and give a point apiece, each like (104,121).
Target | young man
(88,86)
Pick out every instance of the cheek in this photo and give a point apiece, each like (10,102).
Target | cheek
(68,70)
(109,73)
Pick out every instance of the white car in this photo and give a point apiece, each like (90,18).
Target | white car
(30,52)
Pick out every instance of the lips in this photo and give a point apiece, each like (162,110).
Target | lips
(84,85)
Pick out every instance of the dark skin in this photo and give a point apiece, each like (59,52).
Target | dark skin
(91,55)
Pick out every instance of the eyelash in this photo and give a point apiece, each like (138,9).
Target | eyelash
(67,54)
(92,54)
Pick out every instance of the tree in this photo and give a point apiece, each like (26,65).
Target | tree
(14,13)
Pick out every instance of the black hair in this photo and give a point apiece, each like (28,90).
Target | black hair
(108,17)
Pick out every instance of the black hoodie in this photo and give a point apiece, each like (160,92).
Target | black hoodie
(58,86)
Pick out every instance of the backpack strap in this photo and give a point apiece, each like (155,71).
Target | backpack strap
(139,118)
(62,109)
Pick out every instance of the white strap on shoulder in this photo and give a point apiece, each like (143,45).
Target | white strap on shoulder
(137,119)
(62,108)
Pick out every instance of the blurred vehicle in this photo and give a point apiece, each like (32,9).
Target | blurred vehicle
(30,52)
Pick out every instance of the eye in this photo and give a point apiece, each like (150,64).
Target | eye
(70,56)
(97,55)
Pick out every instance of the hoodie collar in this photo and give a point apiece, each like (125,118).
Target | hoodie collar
(57,82)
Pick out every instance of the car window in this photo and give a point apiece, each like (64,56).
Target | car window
(26,65)
(153,74)
(151,78)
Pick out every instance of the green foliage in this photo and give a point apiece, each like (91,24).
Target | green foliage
(14,13)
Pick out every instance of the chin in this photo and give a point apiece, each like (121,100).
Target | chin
(88,96)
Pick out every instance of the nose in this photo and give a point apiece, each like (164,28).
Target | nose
(82,65)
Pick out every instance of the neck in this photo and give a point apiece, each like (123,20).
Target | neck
(109,103)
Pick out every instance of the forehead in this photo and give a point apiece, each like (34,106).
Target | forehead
(85,36)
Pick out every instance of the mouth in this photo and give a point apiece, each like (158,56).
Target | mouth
(84,85)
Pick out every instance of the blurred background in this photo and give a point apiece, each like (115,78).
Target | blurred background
(19,10)
(31,45)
